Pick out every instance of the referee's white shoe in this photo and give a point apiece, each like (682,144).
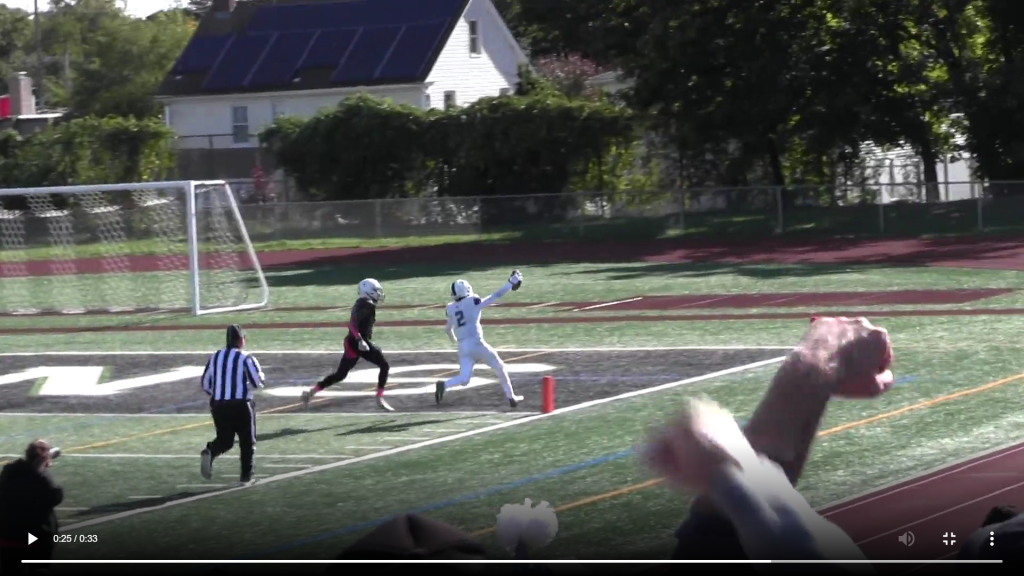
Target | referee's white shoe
(206,465)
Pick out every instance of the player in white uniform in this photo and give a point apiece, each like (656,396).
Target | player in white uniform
(464,327)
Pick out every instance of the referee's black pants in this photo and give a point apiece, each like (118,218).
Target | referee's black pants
(235,418)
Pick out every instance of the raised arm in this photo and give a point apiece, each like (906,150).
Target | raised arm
(515,279)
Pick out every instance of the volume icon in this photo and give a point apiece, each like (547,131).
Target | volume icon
(907,538)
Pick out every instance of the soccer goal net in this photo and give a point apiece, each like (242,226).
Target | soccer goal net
(155,246)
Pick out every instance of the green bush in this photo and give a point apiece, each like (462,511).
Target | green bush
(540,142)
(87,151)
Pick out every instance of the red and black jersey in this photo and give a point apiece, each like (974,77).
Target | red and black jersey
(364,316)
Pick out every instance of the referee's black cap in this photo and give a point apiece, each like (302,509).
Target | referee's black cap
(234,334)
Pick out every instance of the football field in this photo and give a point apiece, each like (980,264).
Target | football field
(624,342)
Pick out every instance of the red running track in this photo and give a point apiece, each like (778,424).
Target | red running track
(952,500)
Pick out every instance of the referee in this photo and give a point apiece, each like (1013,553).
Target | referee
(230,375)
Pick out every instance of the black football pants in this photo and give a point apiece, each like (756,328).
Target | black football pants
(351,357)
(235,418)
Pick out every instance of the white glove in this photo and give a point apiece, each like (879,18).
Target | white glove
(363,345)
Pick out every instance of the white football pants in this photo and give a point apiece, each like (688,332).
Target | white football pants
(473,351)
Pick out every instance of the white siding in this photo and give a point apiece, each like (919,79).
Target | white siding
(474,77)
(205,121)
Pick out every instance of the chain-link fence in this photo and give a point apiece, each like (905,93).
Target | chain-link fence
(720,212)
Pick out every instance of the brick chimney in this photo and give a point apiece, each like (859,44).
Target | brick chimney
(23,102)
(227,6)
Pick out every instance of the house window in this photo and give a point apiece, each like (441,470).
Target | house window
(505,92)
(449,99)
(474,38)
(240,124)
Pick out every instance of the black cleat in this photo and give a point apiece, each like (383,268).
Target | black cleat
(514,401)
(439,391)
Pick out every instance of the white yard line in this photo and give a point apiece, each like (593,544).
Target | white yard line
(205,353)
(427,443)
(592,307)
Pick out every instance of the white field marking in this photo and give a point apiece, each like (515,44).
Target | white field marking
(541,305)
(437,351)
(377,414)
(267,456)
(435,441)
(922,478)
(607,304)
(699,302)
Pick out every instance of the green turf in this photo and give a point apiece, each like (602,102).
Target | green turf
(939,354)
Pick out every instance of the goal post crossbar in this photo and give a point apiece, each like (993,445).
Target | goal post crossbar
(213,230)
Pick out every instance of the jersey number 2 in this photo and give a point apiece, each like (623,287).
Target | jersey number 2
(460,319)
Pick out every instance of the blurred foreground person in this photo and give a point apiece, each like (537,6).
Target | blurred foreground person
(1001,537)
(845,357)
(704,450)
(28,499)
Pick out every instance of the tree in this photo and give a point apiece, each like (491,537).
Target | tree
(110,80)
(15,32)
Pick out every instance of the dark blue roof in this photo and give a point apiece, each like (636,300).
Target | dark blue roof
(315,45)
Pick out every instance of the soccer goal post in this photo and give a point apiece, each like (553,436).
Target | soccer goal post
(139,247)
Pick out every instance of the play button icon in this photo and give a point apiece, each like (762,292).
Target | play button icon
(31,538)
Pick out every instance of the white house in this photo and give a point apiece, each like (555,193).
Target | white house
(251,62)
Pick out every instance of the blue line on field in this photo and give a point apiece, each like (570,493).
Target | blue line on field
(445,503)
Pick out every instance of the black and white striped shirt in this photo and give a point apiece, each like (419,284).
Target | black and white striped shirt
(229,373)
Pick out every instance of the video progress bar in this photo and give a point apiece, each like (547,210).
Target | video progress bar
(512,562)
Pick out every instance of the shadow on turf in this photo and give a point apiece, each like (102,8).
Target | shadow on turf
(288,432)
(118,507)
(396,426)
(419,261)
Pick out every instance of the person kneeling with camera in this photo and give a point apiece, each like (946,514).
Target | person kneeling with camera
(28,499)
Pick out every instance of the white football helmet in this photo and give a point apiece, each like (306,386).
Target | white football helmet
(461,289)
(372,290)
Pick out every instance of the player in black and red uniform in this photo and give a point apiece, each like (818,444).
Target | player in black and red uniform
(359,344)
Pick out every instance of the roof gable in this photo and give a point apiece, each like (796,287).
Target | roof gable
(312,45)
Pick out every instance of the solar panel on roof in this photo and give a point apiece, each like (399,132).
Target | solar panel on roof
(282,58)
(328,48)
(369,53)
(237,62)
(351,14)
(200,54)
(412,51)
